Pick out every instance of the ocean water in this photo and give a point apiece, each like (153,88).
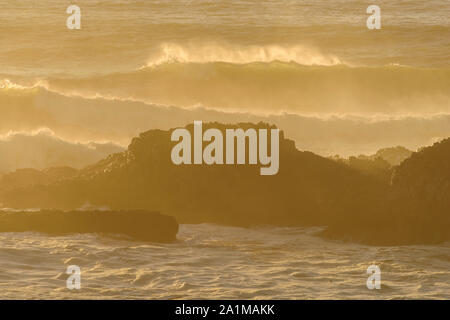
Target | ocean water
(167,63)
(217,262)
(123,35)
(189,52)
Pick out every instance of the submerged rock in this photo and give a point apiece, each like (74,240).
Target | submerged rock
(137,224)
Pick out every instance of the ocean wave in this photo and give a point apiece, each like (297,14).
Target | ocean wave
(210,53)
(356,129)
(42,148)
(264,87)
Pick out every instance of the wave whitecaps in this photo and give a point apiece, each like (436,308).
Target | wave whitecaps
(76,119)
(41,149)
(208,53)
(273,87)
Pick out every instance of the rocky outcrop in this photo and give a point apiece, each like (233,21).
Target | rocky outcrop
(417,208)
(28,177)
(379,165)
(307,190)
(394,156)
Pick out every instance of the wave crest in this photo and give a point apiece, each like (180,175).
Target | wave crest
(207,53)
(6,84)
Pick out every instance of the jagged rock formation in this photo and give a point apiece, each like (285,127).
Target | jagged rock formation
(308,190)
(379,165)
(394,156)
(29,177)
(417,209)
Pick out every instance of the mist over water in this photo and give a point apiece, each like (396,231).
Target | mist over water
(41,149)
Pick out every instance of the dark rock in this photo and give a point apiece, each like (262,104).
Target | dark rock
(137,224)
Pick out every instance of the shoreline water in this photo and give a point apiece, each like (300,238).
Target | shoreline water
(219,263)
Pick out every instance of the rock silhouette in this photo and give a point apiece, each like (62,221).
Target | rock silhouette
(308,190)
(416,209)
(139,225)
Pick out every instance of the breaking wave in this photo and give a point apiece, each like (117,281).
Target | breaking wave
(265,87)
(325,109)
(209,53)
(42,148)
